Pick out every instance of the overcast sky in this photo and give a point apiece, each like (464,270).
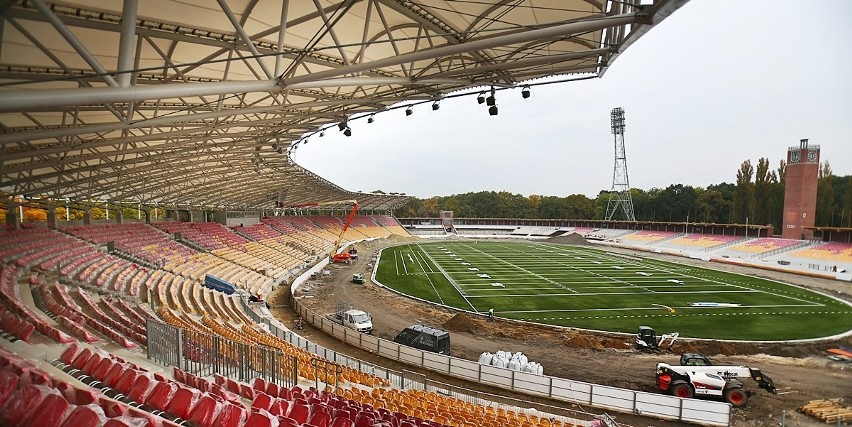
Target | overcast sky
(719,82)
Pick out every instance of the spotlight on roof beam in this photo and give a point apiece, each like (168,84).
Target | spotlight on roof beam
(347,131)
(435,106)
(409,111)
(322,134)
(480,98)
(371,119)
(492,110)
(525,92)
(491,101)
(342,125)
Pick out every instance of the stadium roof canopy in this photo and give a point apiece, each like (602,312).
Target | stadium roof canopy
(200,102)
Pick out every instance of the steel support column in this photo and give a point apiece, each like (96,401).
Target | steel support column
(125,43)
(285,8)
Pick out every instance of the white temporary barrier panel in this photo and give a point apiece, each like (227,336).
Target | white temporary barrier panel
(612,397)
(494,375)
(388,349)
(706,412)
(464,369)
(370,342)
(436,362)
(410,355)
(572,391)
(657,404)
(532,383)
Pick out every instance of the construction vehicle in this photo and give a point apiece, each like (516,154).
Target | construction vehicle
(358,278)
(352,318)
(696,376)
(646,339)
(333,256)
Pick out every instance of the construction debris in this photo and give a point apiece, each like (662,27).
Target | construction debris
(828,410)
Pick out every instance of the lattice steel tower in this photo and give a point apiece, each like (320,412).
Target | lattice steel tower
(619,196)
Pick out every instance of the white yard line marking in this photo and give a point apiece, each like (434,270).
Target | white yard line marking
(449,279)
(522,269)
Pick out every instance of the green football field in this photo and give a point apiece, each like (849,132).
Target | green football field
(589,288)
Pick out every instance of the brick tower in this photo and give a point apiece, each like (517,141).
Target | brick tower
(800,192)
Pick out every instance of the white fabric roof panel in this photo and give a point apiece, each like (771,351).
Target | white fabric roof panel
(218,95)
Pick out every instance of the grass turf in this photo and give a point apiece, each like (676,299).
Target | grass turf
(590,288)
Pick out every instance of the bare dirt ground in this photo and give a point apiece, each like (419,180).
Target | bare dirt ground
(800,370)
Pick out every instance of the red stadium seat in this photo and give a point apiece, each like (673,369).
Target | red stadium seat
(259,384)
(280,408)
(342,422)
(262,401)
(299,412)
(8,384)
(231,415)
(161,395)
(125,382)
(271,389)
(81,359)
(141,388)
(113,375)
(183,401)
(205,411)
(70,353)
(85,416)
(260,418)
(102,369)
(112,408)
(92,363)
(319,419)
(49,413)
(21,404)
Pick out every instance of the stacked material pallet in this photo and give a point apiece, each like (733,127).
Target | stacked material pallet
(828,410)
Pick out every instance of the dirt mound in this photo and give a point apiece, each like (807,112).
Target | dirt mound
(462,322)
(569,239)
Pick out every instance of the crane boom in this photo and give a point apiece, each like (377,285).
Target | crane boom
(333,255)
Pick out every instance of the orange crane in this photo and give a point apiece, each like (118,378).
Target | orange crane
(333,256)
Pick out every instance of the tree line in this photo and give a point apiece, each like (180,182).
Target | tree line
(755,197)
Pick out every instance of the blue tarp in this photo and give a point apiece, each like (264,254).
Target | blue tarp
(218,284)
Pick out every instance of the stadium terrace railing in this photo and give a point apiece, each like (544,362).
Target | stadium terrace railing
(203,354)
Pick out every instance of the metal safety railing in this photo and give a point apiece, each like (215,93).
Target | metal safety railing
(203,354)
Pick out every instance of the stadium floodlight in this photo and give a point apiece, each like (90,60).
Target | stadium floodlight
(371,118)
(492,110)
(347,131)
(480,99)
(491,100)
(525,91)
(322,134)
(342,125)
(409,111)
(436,105)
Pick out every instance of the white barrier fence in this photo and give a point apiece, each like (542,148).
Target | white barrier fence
(624,400)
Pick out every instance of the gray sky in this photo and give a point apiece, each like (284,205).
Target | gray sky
(718,82)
